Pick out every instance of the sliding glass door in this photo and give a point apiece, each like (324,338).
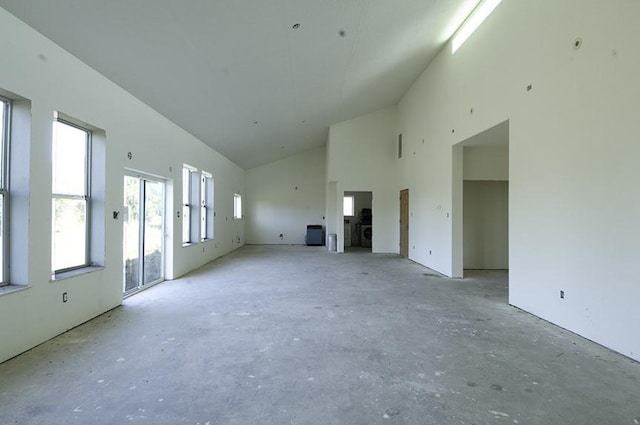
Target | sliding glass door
(143,241)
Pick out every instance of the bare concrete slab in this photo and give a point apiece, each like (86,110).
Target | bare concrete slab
(297,335)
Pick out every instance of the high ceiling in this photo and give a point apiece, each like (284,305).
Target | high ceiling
(257,80)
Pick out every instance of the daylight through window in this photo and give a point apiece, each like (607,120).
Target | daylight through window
(71,192)
(348,206)
(237,206)
(5,119)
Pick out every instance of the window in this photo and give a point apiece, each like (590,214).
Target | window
(348,206)
(237,206)
(5,119)
(190,210)
(206,206)
(71,153)
(475,19)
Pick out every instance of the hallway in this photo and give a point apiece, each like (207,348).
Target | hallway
(297,335)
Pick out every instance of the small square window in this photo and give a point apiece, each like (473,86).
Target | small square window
(348,206)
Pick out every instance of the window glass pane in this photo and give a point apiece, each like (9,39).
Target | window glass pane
(348,209)
(2,277)
(203,208)
(237,206)
(69,233)
(186,217)
(186,175)
(186,210)
(69,159)
(131,240)
(203,223)
(3,112)
(153,230)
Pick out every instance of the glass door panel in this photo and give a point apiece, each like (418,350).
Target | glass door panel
(131,239)
(143,243)
(153,231)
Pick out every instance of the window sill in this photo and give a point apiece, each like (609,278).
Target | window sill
(74,273)
(10,289)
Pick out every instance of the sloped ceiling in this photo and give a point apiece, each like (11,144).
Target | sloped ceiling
(238,75)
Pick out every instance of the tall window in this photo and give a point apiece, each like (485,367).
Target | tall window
(5,115)
(206,206)
(71,153)
(348,206)
(237,206)
(190,201)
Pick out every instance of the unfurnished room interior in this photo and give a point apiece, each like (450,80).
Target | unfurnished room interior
(319,212)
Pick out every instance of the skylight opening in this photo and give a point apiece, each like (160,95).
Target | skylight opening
(472,23)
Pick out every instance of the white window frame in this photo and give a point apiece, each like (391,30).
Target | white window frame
(190,205)
(5,137)
(206,206)
(237,206)
(348,206)
(86,197)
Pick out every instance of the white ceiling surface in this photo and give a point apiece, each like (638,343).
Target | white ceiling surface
(214,67)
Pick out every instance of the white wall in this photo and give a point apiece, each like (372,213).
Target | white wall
(285,196)
(53,80)
(572,157)
(486,225)
(362,157)
(486,163)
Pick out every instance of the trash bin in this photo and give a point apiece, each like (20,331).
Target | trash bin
(332,240)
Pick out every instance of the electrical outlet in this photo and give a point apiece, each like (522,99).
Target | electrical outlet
(64,297)
(562,294)
(429,252)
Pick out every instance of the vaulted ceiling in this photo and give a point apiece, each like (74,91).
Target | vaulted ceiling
(257,80)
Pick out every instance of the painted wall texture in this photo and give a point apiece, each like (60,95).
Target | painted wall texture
(284,197)
(573,158)
(52,80)
(572,150)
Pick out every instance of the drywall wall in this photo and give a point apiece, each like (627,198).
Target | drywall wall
(486,163)
(52,80)
(361,157)
(486,225)
(572,156)
(284,197)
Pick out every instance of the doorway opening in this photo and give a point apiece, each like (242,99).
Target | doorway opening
(404,223)
(143,233)
(358,221)
(481,202)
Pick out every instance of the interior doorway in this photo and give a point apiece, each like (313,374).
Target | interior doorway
(486,225)
(358,220)
(404,223)
(143,232)
(481,201)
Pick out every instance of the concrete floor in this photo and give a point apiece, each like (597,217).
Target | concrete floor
(296,335)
